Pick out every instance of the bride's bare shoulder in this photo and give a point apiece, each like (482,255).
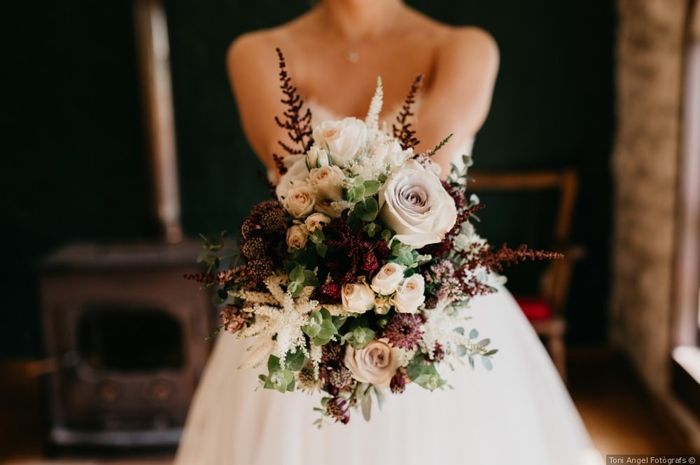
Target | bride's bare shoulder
(456,42)
(470,41)
(249,48)
(256,45)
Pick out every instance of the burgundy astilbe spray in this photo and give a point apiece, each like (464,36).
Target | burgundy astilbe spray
(360,255)
(403,129)
(296,119)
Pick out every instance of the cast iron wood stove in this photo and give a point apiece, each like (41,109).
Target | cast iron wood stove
(129,336)
(127,333)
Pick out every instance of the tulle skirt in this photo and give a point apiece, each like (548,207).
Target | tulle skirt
(517,413)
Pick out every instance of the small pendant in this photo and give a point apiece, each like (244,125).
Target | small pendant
(352,56)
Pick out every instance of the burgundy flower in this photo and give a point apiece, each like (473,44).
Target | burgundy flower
(331,290)
(353,253)
(232,319)
(337,408)
(404,330)
(399,381)
(438,354)
(370,264)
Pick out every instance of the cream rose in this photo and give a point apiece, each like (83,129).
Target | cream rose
(388,278)
(297,236)
(328,181)
(316,221)
(375,363)
(316,157)
(357,297)
(343,139)
(295,175)
(414,203)
(410,295)
(300,200)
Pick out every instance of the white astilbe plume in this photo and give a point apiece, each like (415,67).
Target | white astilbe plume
(315,355)
(375,106)
(283,320)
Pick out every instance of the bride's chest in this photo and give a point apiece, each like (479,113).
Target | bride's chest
(344,80)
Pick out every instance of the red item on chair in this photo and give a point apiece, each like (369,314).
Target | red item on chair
(534,308)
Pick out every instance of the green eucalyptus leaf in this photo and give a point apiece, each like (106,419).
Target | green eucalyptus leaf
(313,327)
(360,337)
(310,278)
(273,363)
(294,361)
(403,254)
(339,321)
(366,406)
(379,395)
(424,374)
(367,209)
(371,187)
(461,350)
(295,288)
(372,229)
(317,236)
(297,274)
(321,327)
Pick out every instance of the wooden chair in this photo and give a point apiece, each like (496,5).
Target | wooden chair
(546,310)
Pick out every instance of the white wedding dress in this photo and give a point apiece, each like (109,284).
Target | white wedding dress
(518,413)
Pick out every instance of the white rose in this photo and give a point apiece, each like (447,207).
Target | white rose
(383,155)
(410,294)
(357,298)
(388,278)
(375,363)
(296,237)
(316,221)
(300,200)
(296,174)
(343,139)
(328,181)
(391,154)
(316,157)
(414,203)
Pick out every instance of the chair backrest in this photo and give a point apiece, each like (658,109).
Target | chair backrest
(565,181)
(555,282)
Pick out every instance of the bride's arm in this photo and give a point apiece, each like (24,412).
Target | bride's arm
(459,94)
(253,71)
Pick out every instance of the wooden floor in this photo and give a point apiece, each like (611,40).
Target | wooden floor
(615,408)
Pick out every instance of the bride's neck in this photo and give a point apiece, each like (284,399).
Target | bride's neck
(359,19)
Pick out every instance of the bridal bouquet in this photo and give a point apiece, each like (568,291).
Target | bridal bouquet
(357,275)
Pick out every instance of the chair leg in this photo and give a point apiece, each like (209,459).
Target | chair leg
(557,350)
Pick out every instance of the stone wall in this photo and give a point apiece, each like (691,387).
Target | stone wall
(649,80)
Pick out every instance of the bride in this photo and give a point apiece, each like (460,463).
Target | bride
(518,413)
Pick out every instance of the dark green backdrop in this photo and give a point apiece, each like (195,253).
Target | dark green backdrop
(77,168)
